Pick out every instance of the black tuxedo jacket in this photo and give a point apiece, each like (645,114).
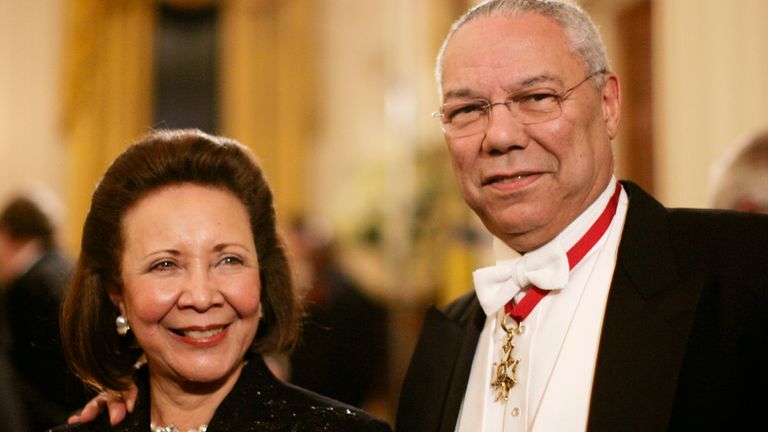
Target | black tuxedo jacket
(684,343)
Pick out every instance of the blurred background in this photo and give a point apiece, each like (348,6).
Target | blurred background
(335,97)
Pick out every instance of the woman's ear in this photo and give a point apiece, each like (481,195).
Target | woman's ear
(117,300)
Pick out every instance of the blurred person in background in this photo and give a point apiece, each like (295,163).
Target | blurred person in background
(740,177)
(343,351)
(33,278)
(11,418)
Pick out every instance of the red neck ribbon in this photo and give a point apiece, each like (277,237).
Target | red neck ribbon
(519,311)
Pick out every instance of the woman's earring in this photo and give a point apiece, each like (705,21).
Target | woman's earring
(261,312)
(121,322)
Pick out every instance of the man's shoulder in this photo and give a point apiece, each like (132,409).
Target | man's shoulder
(696,229)
(722,234)
(462,308)
(693,218)
(719,219)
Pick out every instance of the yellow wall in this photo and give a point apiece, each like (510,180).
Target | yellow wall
(31,151)
(710,85)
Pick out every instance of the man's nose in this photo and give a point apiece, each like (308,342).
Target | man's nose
(504,132)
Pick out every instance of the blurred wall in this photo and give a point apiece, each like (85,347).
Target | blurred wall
(711,72)
(31,152)
(710,85)
(375,97)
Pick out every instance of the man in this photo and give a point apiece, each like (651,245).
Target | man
(605,311)
(33,277)
(741,176)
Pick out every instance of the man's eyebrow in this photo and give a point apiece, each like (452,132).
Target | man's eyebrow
(538,79)
(463,93)
(466,93)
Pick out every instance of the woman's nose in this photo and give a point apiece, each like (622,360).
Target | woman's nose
(201,290)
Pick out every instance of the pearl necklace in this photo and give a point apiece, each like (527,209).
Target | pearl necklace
(173,428)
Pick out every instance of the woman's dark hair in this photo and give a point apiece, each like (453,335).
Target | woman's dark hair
(96,352)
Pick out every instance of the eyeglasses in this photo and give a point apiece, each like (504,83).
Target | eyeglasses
(470,117)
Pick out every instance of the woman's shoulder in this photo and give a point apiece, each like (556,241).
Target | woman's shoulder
(261,399)
(316,412)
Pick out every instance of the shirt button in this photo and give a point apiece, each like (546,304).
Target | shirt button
(515,412)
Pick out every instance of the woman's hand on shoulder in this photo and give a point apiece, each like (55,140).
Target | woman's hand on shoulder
(118,404)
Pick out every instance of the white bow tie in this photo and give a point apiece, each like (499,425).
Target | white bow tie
(545,268)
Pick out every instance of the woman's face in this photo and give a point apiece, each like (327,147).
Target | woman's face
(191,285)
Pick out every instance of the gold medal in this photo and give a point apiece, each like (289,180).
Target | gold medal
(506,376)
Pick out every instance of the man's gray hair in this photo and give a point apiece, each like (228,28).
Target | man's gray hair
(578,26)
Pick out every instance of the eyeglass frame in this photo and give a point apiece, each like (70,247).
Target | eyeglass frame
(487,106)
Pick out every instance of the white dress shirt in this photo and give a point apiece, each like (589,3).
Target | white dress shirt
(558,347)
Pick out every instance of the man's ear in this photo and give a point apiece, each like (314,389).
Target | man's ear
(611,103)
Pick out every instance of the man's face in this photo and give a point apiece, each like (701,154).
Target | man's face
(528,182)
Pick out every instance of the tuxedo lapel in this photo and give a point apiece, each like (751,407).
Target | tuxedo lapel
(437,377)
(647,321)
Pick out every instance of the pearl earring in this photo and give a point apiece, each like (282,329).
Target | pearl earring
(121,322)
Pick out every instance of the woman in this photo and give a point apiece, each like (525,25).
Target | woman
(181,285)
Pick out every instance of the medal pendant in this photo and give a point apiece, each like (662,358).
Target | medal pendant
(506,376)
